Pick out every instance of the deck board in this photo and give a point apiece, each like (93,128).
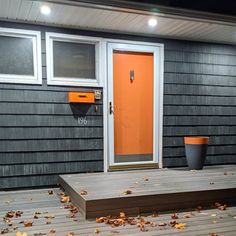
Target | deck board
(199,223)
(163,189)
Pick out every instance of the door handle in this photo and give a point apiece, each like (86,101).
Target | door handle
(111,108)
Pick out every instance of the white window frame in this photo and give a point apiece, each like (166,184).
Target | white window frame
(82,82)
(37,62)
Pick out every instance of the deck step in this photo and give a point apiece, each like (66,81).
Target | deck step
(152,190)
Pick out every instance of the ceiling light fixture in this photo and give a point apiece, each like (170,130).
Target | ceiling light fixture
(152,22)
(45,10)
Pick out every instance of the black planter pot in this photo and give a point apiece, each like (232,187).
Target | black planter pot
(196,150)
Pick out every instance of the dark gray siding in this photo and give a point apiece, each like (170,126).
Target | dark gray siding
(39,132)
(41,138)
(200,99)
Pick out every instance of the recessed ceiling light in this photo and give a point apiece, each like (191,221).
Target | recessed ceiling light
(46,10)
(152,22)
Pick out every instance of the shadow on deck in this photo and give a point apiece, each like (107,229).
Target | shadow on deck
(151,190)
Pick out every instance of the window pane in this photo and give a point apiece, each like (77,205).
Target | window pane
(16,56)
(74,60)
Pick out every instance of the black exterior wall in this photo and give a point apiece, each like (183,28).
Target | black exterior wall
(41,138)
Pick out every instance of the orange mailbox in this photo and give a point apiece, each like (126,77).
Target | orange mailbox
(81,97)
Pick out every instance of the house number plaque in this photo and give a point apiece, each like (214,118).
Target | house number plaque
(82,121)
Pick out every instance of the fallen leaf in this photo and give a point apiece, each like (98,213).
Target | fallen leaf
(52,231)
(162,224)
(4,231)
(10,214)
(65,199)
(180,225)
(48,222)
(217,204)
(18,213)
(49,217)
(73,209)
(70,234)
(174,216)
(100,219)
(213,234)
(220,206)
(83,192)
(199,208)
(50,192)
(18,233)
(97,231)
(28,223)
(122,215)
(127,192)
(153,224)
(40,234)
(173,223)
(155,214)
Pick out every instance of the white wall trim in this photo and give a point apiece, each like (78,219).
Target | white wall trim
(82,82)
(158,50)
(37,61)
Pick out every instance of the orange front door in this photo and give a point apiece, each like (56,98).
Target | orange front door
(133,106)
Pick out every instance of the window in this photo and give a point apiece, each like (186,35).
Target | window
(20,56)
(73,60)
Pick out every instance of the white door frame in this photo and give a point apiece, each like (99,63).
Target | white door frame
(158,54)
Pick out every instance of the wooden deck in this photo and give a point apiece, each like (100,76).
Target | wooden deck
(163,189)
(205,222)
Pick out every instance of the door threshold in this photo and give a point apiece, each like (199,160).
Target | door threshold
(133,167)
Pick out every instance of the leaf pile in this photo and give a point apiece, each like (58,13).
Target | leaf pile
(220,206)
(139,221)
(73,210)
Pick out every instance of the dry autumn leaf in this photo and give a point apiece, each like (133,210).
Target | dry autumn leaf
(153,224)
(162,224)
(18,213)
(70,234)
(122,215)
(155,214)
(213,234)
(65,199)
(50,192)
(4,231)
(199,208)
(180,225)
(127,192)
(83,192)
(10,214)
(97,231)
(174,216)
(28,223)
(18,233)
(220,206)
(52,231)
